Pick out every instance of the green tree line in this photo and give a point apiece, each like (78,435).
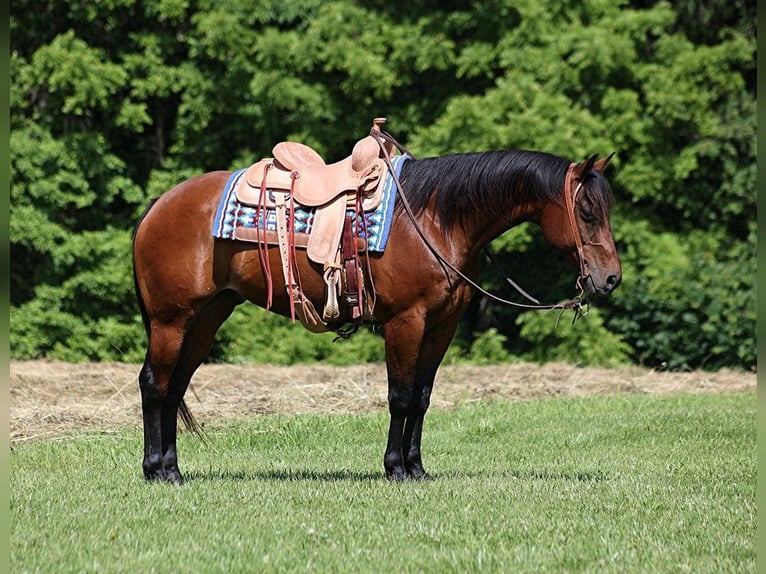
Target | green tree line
(115,101)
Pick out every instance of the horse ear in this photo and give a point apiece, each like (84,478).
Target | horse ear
(582,168)
(601,164)
(592,164)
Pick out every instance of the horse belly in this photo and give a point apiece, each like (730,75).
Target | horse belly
(248,272)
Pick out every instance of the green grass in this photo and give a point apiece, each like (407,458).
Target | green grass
(603,484)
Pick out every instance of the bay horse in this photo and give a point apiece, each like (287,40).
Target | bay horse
(448,208)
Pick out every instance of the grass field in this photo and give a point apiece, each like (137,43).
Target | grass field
(622,483)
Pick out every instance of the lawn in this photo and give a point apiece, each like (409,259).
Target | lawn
(626,483)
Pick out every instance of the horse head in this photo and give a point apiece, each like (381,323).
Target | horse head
(579,226)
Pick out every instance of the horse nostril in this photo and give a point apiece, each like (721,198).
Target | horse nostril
(613,281)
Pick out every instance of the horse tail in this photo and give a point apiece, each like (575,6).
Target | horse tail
(190,422)
(183,409)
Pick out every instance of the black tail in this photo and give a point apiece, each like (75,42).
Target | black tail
(189,421)
(183,410)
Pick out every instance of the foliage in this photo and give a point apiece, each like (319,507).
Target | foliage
(114,102)
(251,334)
(701,312)
(583,342)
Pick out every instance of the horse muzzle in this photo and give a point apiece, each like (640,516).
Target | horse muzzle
(596,284)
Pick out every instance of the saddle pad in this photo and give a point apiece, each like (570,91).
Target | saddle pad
(231,214)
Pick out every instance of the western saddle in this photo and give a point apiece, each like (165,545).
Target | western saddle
(297,177)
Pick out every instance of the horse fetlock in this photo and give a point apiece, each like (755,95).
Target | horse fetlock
(415,471)
(153,468)
(393,463)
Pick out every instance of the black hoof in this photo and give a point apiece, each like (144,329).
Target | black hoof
(174,477)
(396,476)
(420,476)
(400,476)
(417,472)
(161,475)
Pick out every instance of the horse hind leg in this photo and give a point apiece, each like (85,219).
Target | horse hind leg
(197,344)
(162,409)
(165,342)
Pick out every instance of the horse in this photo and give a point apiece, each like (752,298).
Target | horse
(447,210)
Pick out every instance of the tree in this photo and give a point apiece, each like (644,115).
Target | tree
(114,102)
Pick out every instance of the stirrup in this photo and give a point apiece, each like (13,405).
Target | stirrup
(331,308)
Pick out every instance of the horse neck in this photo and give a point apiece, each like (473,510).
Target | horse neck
(482,231)
(516,196)
(473,198)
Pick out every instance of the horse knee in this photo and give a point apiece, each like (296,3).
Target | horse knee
(151,390)
(399,400)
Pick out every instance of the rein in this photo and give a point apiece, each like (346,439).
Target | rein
(579,303)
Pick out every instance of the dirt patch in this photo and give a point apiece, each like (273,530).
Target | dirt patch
(48,399)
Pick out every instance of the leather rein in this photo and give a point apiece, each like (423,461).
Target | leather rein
(578,304)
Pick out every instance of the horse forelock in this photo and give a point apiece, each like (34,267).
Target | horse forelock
(598,194)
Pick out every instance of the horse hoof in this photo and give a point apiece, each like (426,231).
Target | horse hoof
(417,472)
(399,476)
(160,475)
(396,476)
(420,475)
(155,476)
(174,477)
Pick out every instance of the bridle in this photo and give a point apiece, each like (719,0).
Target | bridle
(570,198)
(578,304)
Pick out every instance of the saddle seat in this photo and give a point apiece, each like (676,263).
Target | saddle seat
(300,170)
(359,171)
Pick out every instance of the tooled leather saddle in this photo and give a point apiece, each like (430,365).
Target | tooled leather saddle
(298,178)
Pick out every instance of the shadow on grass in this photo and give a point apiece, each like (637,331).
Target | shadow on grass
(350,476)
(284,476)
(582,476)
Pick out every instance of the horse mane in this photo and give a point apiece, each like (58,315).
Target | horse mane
(463,186)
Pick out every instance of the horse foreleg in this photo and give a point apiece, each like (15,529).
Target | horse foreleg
(413,426)
(403,336)
(435,344)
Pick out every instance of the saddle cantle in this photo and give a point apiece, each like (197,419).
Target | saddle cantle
(297,177)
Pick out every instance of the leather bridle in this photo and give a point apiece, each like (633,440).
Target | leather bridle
(570,198)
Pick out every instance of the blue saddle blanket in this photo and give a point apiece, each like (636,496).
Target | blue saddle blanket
(232,214)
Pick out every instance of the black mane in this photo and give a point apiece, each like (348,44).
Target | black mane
(466,185)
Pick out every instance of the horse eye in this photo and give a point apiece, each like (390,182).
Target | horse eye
(587,216)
